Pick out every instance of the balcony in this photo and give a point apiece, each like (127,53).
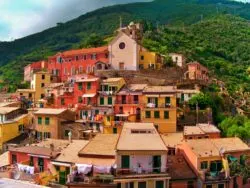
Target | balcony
(213,176)
(126,102)
(153,105)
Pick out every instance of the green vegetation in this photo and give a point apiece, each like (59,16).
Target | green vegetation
(236,126)
(218,50)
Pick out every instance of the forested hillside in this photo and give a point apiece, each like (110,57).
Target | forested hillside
(183,20)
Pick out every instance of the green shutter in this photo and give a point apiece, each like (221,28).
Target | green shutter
(148,100)
(148,114)
(109,100)
(47,121)
(114,130)
(101,101)
(39,120)
(156,102)
(166,114)
(125,161)
(80,86)
(167,100)
(157,114)
(88,85)
(159,184)
(96,112)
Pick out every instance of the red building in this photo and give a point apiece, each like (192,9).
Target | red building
(79,92)
(73,62)
(32,68)
(32,156)
(196,71)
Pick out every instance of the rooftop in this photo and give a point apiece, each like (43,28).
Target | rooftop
(108,80)
(8,104)
(137,87)
(6,110)
(59,145)
(200,129)
(101,145)
(140,137)
(160,89)
(179,168)
(70,153)
(213,147)
(26,90)
(50,111)
(172,139)
(85,51)
(10,183)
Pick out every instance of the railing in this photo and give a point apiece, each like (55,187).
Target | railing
(152,105)
(140,171)
(213,176)
(126,102)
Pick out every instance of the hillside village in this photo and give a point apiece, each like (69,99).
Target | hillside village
(118,116)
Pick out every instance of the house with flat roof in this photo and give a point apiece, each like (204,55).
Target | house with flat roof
(201,131)
(141,157)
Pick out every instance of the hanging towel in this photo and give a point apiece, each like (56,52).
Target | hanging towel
(102,169)
(84,168)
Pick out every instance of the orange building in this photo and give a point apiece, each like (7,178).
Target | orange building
(196,71)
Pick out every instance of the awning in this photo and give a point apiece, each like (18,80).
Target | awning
(89,95)
(122,115)
(166,95)
(148,95)
(60,164)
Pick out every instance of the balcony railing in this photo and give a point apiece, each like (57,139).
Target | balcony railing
(213,176)
(153,105)
(126,102)
(140,171)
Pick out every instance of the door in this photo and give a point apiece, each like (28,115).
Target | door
(121,66)
(159,184)
(142,184)
(114,130)
(157,164)
(138,114)
(125,161)
(62,177)
(123,99)
(13,159)
(41,164)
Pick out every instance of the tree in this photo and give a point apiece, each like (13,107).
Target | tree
(93,40)
(203,100)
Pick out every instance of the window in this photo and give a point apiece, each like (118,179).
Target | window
(42,96)
(204,165)
(66,133)
(93,56)
(110,101)
(166,114)
(13,159)
(108,118)
(142,57)
(190,184)
(31,163)
(79,86)
(80,99)
(142,184)
(30,95)
(209,186)
(167,100)
(159,184)
(156,114)
(122,45)
(85,57)
(77,58)
(43,76)
(39,120)
(129,185)
(62,101)
(88,85)
(42,85)
(221,185)
(125,161)
(96,112)
(47,120)
(114,130)
(80,69)
(46,135)
(121,66)
(148,114)
(20,128)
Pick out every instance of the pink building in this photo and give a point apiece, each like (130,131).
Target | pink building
(32,68)
(196,71)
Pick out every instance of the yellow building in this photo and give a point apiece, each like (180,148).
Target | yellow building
(12,123)
(38,83)
(160,107)
(150,60)
(109,88)
(48,122)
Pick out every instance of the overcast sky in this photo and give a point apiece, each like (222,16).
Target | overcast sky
(19,18)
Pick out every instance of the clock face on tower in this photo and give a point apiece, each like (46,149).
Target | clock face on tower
(122,45)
